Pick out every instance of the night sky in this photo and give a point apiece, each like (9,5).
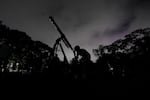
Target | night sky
(87,23)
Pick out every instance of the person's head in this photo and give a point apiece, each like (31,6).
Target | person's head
(76,48)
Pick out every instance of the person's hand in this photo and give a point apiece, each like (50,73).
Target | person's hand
(76,58)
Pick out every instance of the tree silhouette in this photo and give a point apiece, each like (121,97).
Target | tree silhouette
(22,53)
(126,56)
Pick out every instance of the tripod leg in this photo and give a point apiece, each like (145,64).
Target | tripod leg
(65,57)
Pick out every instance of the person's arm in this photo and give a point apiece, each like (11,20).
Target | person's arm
(76,55)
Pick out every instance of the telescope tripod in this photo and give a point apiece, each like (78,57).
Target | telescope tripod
(55,49)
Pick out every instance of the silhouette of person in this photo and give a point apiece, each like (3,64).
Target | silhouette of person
(82,55)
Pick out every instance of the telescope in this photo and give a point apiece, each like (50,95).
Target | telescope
(62,37)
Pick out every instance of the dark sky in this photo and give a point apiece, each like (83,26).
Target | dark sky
(87,23)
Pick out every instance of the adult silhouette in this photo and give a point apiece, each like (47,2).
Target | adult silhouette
(82,55)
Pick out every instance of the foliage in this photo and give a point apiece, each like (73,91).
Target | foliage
(128,54)
(21,52)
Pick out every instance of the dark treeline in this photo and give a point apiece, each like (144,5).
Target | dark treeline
(124,63)
(127,57)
